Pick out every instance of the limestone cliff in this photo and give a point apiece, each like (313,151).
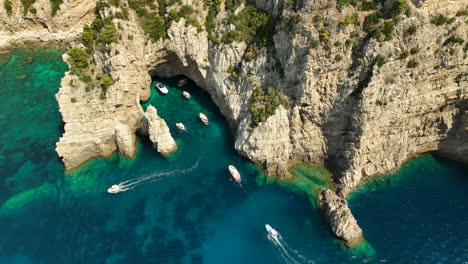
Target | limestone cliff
(363,100)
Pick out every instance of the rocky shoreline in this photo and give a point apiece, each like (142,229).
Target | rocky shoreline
(354,128)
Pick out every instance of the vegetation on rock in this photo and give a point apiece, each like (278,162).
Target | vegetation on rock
(55,5)
(26,5)
(264,102)
(249,23)
(8,7)
(78,60)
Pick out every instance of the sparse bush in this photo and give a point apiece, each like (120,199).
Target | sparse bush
(86,79)
(8,7)
(233,71)
(413,63)
(368,5)
(337,43)
(338,57)
(349,42)
(55,6)
(175,15)
(414,50)
(26,5)
(371,20)
(314,44)
(397,8)
(379,103)
(88,36)
(450,20)
(387,30)
(454,40)
(439,20)
(33,10)
(318,19)
(105,81)
(250,22)
(108,33)
(380,60)
(194,22)
(349,20)
(185,11)
(78,60)
(73,100)
(411,30)
(347,2)
(403,55)
(462,12)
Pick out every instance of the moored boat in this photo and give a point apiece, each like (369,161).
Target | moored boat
(203,118)
(114,189)
(182,82)
(186,94)
(162,88)
(181,126)
(235,174)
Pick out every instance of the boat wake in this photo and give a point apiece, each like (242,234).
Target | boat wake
(287,254)
(153,177)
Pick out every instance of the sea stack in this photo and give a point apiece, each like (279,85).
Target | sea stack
(341,220)
(158,131)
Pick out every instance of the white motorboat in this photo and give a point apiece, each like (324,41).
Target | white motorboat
(203,118)
(235,174)
(182,82)
(162,88)
(186,94)
(114,189)
(272,231)
(181,126)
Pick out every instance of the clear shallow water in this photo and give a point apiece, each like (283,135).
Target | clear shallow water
(187,209)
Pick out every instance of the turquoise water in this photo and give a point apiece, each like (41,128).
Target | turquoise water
(185,208)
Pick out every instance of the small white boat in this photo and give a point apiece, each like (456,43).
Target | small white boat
(162,88)
(203,118)
(271,231)
(182,82)
(114,189)
(181,126)
(235,174)
(186,94)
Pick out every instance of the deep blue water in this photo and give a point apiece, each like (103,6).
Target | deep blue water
(187,209)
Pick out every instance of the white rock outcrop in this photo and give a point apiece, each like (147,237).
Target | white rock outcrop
(158,131)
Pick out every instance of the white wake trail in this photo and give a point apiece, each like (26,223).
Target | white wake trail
(288,254)
(153,177)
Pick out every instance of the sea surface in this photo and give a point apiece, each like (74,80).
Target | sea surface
(185,208)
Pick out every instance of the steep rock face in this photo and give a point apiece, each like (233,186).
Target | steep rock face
(158,131)
(342,222)
(125,139)
(41,29)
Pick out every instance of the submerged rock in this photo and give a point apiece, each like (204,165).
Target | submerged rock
(158,131)
(342,222)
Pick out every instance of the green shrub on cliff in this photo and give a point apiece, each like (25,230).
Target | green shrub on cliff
(108,33)
(105,81)
(78,60)
(413,63)
(397,8)
(26,5)
(250,23)
(8,7)
(55,5)
(88,36)
(264,102)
